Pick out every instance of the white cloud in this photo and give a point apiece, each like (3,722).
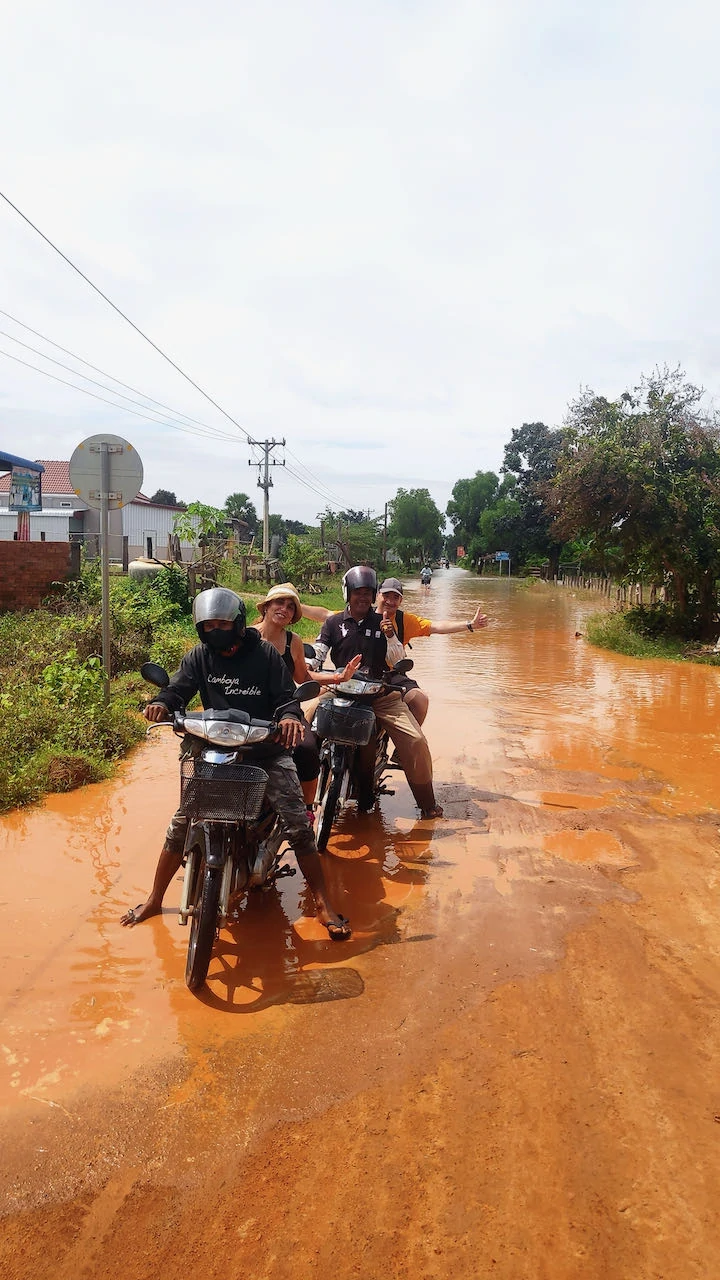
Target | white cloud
(410,225)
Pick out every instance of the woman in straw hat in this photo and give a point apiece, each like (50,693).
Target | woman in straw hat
(279,610)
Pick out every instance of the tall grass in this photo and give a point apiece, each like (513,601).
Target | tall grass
(611,631)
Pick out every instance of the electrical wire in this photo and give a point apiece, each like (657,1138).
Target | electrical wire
(127,319)
(147,416)
(323,493)
(176,413)
(212,432)
(332,497)
(308,485)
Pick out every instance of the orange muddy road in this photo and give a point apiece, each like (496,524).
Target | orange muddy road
(510,1071)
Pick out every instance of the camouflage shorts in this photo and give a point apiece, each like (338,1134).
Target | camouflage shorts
(283,795)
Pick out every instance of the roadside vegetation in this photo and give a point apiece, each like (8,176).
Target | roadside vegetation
(627,490)
(646,633)
(57,731)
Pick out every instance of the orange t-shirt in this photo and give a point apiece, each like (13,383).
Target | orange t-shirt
(414,626)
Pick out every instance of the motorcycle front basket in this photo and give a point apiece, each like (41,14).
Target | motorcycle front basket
(344,722)
(221,792)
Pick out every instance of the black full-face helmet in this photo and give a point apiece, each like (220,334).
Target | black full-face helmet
(219,603)
(357,578)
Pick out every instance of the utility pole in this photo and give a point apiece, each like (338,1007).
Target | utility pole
(264,483)
(385,539)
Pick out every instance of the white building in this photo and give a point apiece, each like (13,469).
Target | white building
(65,517)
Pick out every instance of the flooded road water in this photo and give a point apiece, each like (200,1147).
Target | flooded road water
(511,1069)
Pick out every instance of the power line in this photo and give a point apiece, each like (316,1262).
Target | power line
(214,432)
(127,319)
(144,336)
(307,484)
(177,413)
(334,497)
(147,416)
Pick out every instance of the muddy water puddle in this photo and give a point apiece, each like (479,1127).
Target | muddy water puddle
(539,742)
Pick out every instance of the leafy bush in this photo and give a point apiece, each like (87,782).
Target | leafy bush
(611,631)
(170,643)
(301,560)
(57,731)
(665,620)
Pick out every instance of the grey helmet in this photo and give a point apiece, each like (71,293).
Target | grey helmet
(357,578)
(219,603)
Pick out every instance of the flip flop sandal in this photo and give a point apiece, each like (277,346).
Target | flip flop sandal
(339,930)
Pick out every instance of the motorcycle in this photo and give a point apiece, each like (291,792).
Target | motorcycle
(344,722)
(234,839)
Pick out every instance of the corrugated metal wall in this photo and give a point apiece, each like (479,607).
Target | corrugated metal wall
(141,521)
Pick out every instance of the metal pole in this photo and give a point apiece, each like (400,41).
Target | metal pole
(264,483)
(266,510)
(105,566)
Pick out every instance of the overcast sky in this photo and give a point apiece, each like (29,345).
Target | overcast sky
(388,230)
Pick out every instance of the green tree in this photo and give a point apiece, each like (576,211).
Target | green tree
(301,560)
(297,527)
(500,526)
(239,506)
(470,497)
(200,523)
(642,473)
(416,525)
(360,537)
(531,458)
(166,498)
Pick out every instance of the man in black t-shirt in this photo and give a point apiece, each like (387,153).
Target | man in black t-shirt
(359,629)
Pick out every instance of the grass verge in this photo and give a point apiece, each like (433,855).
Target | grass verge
(611,630)
(57,732)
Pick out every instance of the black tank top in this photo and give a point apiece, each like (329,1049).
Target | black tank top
(287,656)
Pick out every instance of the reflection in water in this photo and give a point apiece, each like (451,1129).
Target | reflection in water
(523,712)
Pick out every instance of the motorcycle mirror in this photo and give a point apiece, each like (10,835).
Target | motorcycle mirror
(155,674)
(309,650)
(310,689)
(405,664)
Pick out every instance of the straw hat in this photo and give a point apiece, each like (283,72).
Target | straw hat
(283,591)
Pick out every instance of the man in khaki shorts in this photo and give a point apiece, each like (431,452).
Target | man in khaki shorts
(360,630)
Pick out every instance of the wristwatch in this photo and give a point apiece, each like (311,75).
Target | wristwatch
(469,626)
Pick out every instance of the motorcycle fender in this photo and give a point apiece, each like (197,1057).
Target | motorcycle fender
(215,845)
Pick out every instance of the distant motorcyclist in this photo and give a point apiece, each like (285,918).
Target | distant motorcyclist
(360,630)
(426,576)
(233,667)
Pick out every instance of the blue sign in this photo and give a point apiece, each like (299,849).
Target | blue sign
(502,555)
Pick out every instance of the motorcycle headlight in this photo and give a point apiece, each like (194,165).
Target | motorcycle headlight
(257,734)
(359,686)
(224,734)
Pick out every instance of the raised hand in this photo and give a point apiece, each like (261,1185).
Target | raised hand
(351,667)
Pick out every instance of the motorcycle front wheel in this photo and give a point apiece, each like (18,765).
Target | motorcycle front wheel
(329,797)
(203,926)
